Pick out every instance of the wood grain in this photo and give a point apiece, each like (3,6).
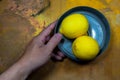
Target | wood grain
(105,67)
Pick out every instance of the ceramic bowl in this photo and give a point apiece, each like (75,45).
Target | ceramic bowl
(99,29)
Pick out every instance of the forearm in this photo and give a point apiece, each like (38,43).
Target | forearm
(17,72)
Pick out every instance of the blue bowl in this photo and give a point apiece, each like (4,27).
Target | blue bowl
(99,29)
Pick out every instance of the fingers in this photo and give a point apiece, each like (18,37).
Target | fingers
(53,42)
(47,31)
(58,56)
(42,38)
(61,54)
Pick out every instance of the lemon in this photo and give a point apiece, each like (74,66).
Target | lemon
(85,48)
(74,26)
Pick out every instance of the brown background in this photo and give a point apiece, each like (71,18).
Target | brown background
(16,30)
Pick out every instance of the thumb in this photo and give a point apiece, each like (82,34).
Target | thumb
(53,42)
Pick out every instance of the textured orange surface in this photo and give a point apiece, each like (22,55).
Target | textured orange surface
(106,67)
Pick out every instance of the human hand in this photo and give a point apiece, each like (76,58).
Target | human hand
(41,48)
(38,52)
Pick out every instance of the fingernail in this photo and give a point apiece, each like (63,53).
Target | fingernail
(58,35)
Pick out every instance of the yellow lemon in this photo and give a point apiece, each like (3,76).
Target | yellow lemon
(85,48)
(74,26)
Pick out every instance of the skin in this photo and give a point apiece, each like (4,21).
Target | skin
(37,53)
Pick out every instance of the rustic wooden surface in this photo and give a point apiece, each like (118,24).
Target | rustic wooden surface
(106,67)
